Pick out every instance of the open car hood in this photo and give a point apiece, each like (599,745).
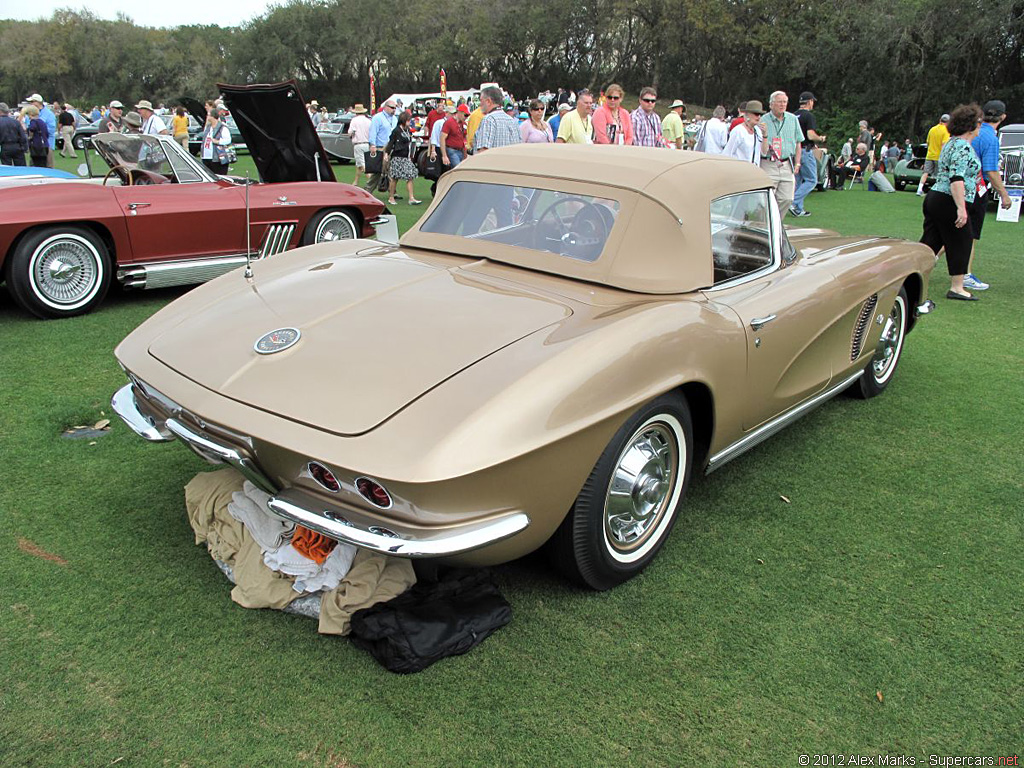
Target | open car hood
(197,110)
(278,132)
(377,332)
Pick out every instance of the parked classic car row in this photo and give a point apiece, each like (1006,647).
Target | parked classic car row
(159,217)
(545,359)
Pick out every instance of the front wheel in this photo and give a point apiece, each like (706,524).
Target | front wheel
(629,503)
(883,363)
(329,225)
(59,271)
(899,184)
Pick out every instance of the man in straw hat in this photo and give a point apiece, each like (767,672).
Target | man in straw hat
(359,132)
(152,123)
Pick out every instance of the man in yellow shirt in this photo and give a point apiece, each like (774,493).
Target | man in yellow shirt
(577,127)
(475,117)
(938,135)
(672,128)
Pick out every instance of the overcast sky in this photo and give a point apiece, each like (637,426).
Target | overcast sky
(146,13)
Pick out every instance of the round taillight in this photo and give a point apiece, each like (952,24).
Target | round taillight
(323,476)
(373,492)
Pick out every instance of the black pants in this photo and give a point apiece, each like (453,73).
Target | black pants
(218,168)
(941,231)
(12,158)
(40,161)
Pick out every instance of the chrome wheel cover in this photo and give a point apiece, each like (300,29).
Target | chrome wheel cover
(645,486)
(335,226)
(66,271)
(890,343)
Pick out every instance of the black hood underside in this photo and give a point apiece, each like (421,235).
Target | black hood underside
(278,132)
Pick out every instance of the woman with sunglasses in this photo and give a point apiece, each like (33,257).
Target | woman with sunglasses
(611,122)
(536,130)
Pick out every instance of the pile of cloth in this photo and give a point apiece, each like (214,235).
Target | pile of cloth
(277,564)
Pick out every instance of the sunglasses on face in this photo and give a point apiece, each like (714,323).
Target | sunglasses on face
(613,98)
(535,109)
(649,101)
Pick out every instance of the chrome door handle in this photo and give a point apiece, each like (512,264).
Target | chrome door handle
(758,323)
(133,206)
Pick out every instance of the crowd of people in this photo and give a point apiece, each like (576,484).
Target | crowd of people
(33,129)
(962,148)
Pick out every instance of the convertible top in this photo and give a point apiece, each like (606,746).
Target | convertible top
(662,243)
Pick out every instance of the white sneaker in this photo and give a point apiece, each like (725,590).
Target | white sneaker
(972,283)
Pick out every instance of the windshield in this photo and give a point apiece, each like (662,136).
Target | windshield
(133,151)
(1011,139)
(566,224)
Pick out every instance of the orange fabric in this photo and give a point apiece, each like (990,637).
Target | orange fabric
(311,544)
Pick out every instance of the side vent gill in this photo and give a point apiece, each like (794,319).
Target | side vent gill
(276,239)
(861,328)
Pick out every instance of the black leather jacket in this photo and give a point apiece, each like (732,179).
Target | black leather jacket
(12,136)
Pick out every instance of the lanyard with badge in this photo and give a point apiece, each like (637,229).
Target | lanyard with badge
(775,147)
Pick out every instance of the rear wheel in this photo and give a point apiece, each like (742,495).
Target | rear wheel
(332,224)
(629,503)
(883,363)
(59,271)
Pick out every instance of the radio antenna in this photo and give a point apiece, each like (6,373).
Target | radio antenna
(248,234)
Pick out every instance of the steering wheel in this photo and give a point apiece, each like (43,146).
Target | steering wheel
(114,169)
(581,237)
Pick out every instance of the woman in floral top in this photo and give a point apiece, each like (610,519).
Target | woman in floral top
(946,223)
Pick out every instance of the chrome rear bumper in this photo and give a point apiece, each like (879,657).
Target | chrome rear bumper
(352,527)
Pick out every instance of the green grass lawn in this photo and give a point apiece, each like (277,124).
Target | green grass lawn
(878,612)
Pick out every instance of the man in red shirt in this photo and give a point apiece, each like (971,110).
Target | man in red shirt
(437,113)
(453,137)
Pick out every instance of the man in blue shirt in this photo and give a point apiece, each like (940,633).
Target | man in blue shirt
(47,116)
(556,119)
(986,145)
(381,126)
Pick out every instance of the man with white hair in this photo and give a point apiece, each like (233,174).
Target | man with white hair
(780,149)
(714,133)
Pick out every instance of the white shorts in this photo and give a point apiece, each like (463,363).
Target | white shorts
(359,155)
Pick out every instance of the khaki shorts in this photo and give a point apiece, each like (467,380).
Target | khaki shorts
(359,155)
(930,167)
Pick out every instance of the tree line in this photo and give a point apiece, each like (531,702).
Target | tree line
(897,63)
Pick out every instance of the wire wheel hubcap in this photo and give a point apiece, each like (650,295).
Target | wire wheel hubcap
(335,226)
(642,490)
(65,271)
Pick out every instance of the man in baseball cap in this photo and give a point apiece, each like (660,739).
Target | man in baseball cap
(47,116)
(112,123)
(986,146)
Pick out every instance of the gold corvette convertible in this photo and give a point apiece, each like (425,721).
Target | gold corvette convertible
(545,358)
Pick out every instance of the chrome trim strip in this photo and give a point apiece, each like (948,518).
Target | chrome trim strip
(768,429)
(216,453)
(124,405)
(442,545)
(167,273)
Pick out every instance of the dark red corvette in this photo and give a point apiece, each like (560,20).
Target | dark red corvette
(159,217)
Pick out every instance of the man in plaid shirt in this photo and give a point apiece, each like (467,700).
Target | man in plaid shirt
(646,123)
(497,129)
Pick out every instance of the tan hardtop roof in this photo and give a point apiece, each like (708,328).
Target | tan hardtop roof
(662,240)
(632,168)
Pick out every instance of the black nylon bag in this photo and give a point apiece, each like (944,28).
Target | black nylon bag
(432,620)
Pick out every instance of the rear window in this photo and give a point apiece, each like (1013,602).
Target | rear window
(567,224)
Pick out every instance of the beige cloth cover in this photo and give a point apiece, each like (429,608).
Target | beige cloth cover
(372,579)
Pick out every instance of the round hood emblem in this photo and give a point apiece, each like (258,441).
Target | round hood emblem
(276,341)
